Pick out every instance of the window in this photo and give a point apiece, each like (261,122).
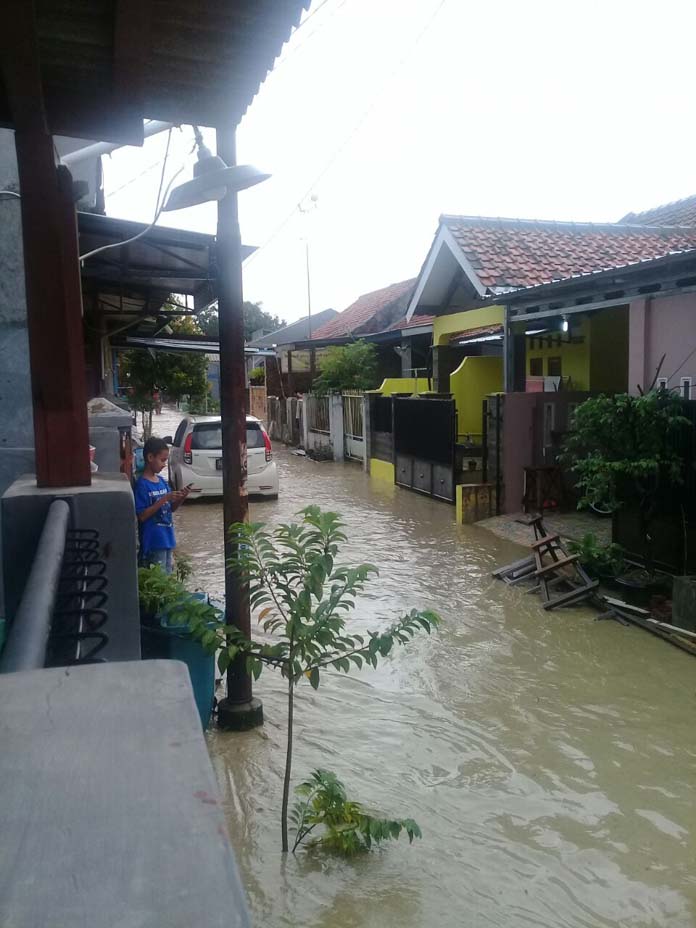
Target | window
(686,388)
(661,383)
(179,436)
(536,367)
(554,367)
(207,436)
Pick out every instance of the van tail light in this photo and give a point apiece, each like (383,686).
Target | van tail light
(188,457)
(267,443)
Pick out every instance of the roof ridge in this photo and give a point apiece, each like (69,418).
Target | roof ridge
(654,209)
(566,223)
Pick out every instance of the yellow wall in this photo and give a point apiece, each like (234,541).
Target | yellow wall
(381,470)
(472,381)
(444,326)
(403,385)
(575,358)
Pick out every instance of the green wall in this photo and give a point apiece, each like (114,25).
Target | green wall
(472,381)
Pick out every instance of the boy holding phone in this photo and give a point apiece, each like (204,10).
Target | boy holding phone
(154,505)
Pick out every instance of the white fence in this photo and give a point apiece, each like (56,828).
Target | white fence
(334,426)
(354,426)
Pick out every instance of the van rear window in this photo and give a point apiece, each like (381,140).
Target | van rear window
(207,436)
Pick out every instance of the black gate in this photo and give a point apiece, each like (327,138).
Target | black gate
(424,445)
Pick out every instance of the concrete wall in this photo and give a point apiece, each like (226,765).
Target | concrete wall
(453,322)
(16,420)
(472,381)
(662,326)
(575,357)
(403,385)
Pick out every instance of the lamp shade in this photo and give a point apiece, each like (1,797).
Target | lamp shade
(212,180)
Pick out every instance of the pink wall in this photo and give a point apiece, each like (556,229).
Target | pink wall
(662,325)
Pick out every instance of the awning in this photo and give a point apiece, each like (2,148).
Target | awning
(480,333)
(182,343)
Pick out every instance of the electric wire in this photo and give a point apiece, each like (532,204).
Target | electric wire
(159,207)
(353,132)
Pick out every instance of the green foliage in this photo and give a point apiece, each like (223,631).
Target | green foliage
(183,567)
(157,590)
(203,406)
(304,598)
(600,561)
(160,592)
(169,372)
(255,318)
(622,447)
(257,375)
(344,825)
(347,367)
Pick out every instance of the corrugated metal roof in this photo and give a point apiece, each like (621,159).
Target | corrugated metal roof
(107,63)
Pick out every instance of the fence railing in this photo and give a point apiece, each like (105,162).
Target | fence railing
(317,412)
(353,418)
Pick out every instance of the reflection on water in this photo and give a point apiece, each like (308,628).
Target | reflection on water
(549,759)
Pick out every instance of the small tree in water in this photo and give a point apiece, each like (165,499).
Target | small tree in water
(305,597)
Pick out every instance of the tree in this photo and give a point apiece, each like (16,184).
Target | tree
(255,318)
(625,451)
(348,367)
(304,599)
(175,373)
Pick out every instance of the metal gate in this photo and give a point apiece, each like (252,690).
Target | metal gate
(354,426)
(424,445)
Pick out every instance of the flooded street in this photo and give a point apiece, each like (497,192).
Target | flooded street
(549,759)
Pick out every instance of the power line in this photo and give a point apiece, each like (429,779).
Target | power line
(293,51)
(356,128)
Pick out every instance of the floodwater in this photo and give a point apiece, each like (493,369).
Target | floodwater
(549,759)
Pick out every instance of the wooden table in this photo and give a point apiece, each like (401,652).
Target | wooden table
(109,811)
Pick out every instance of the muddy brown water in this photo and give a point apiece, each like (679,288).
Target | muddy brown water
(550,760)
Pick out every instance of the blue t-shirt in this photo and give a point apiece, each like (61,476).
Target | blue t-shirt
(157,532)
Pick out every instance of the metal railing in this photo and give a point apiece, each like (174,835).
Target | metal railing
(61,610)
(317,412)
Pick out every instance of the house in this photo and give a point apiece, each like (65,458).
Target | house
(378,317)
(281,342)
(475,261)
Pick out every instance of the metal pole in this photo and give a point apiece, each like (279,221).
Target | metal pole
(239,710)
(28,636)
(309,291)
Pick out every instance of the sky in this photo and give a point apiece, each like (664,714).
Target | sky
(382,114)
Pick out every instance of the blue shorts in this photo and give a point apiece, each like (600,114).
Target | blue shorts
(162,556)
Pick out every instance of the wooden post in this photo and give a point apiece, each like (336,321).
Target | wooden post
(239,710)
(51,267)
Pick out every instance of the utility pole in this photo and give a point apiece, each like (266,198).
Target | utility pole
(239,710)
(306,209)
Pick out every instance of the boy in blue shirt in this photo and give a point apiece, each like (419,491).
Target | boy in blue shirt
(154,504)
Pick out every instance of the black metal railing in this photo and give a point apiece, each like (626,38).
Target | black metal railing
(62,613)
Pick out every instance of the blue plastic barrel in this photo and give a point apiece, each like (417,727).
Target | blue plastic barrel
(163,639)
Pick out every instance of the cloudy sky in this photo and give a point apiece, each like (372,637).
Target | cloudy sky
(393,111)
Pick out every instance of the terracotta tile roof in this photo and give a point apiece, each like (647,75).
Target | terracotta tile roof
(403,323)
(371,312)
(512,253)
(677,213)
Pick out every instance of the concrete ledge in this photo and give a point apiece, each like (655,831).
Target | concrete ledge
(474,501)
(381,470)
